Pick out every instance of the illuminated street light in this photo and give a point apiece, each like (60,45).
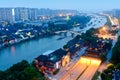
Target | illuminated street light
(104,28)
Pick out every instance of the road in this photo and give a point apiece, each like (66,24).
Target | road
(90,71)
(68,67)
(74,72)
(85,68)
(102,67)
(76,67)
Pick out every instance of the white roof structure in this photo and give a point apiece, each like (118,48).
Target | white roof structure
(48,52)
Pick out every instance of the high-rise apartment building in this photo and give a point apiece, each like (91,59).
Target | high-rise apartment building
(33,13)
(116,13)
(6,14)
(21,14)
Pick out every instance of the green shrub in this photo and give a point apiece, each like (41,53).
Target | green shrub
(56,71)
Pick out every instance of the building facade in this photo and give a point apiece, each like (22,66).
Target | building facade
(53,61)
(33,13)
(6,14)
(21,14)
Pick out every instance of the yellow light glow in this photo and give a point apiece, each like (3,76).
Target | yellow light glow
(29,33)
(85,60)
(104,28)
(96,62)
(89,60)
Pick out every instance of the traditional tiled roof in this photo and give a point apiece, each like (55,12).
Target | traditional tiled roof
(57,55)
(73,49)
(53,57)
(42,58)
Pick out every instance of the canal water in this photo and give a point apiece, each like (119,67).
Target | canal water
(31,49)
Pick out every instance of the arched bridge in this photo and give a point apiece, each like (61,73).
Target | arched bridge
(64,31)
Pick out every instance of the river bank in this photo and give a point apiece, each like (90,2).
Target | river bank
(29,50)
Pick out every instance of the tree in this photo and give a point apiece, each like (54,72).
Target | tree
(90,32)
(2,75)
(111,67)
(80,19)
(116,52)
(65,46)
(30,73)
(103,57)
(115,55)
(19,66)
(21,71)
(77,37)
(106,75)
(118,66)
(56,71)
(108,45)
(103,76)
(89,36)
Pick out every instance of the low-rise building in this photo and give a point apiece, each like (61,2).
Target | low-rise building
(55,60)
(98,48)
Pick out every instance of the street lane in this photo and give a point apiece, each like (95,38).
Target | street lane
(90,71)
(65,69)
(80,66)
(65,76)
(75,73)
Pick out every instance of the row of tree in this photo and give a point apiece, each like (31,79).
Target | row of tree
(89,36)
(115,59)
(21,71)
(107,74)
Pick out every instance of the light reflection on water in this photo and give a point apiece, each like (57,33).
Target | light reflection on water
(31,49)
(13,50)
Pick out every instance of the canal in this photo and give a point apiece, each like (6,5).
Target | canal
(31,49)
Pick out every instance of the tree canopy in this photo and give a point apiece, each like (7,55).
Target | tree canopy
(116,52)
(21,71)
(89,35)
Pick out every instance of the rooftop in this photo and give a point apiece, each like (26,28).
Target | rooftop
(57,55)
(52,56)
(48,52)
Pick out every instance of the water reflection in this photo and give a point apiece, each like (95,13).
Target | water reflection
(12,50)
(31,49)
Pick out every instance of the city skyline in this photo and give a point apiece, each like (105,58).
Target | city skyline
(52,4)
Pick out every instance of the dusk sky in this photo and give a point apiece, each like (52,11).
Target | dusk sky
(64,4)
